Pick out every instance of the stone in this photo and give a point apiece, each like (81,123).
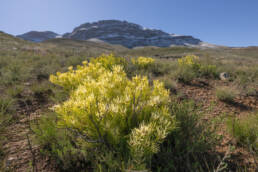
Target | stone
(9,161)
(224,76)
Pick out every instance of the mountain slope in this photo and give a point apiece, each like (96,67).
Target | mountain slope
(9,42)
(36,36)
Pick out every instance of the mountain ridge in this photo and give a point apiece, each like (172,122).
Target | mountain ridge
(118,32)
(38,36)
(128,34)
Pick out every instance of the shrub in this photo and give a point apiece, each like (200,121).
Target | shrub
(245,131)
(143,62)
(170,84)
(209,71)
(190,147)
(185,75)
(15,91)
(226,94)
(5,117)
(189,67)
(117,117)
(5,105)
(59,144)
(160,68)
(251,91)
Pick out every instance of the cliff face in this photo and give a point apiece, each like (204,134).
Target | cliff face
(36,36)
(128,34)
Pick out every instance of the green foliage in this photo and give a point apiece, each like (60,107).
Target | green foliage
(161,68)
(5,117)
(170,84)
(185,74)
(5,105)
(245,131)
(112,112)
(208,71)
(190,67)
(189,147)
(59,144)
(226,94)
(15,91)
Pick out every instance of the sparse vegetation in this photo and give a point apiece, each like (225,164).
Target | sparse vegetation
(170,84)
(245,131)
(226,94)
(5,117)
(190,68)
(193,145)
(187,148)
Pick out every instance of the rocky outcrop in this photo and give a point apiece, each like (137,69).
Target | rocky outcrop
(129,35)
(36,36)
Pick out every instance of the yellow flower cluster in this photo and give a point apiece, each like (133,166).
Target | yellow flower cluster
(143,61)
(108,61)
(73,78)
(109,107)
(188,60)
(144,141)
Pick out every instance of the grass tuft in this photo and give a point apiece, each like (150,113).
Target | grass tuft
(245,131)
(226,94)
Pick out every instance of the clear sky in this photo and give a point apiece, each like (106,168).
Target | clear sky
(223,22)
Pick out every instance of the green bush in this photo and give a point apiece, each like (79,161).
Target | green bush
(160,68)
(59,144)
(190,67)
(15,91)
(170,84)
(190,147)
(226,94)
(5,117)
(245,131)
(186,74)
(208,71)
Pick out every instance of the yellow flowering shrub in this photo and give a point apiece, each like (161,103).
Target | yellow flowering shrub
(188,60)
(108,61)
(191,67)
(73,78)
(107,108)
(143,61)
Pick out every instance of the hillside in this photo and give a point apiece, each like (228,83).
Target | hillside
(36,36)
(200,100)
(9,42)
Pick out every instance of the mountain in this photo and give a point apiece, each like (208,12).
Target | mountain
(123,33)
(36,36)
(129,35)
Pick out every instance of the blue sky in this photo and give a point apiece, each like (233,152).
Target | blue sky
(223,22)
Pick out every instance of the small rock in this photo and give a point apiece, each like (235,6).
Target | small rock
(224,76)
(9,161)
(27,84)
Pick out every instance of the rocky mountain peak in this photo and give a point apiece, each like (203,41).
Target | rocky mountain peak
(128,34)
